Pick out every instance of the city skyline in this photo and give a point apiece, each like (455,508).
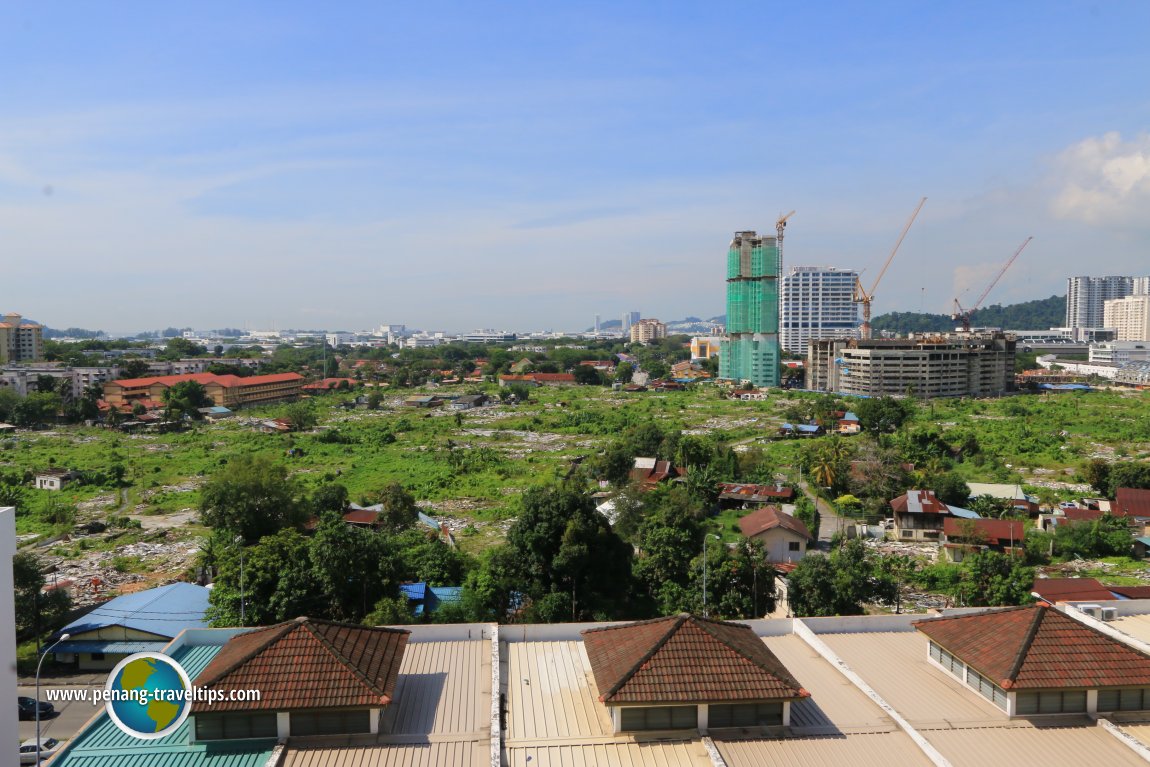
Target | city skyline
(331,168)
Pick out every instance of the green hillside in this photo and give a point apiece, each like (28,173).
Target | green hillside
(1029,315)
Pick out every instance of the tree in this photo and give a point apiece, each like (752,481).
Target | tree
(991,579)
(669,540)
(950,488)
(252,496)
(35,611)
(134,367)
(587,376)
(329,497)
(839,584)
(277,584)
(560,544)
(808,514)
(301,416)
(883,415)
(1106,536)
(185,399)
(623,372)
(35,409)
(353,568)
(425,557)
(740,581)
(399,509)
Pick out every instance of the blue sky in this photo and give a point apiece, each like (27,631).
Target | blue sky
(461,165)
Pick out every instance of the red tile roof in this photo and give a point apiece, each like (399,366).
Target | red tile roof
(919,502)
(1129,502)
(307,663)
(1070,590)
(768,518)
(1038,647)
(991,531)
(685,659)
(1131,592)
(361,516)
(553,377)
(226,381)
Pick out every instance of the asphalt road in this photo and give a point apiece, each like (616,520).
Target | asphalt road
(69,716)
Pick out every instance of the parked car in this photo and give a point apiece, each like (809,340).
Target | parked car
(27,707)
(48,747)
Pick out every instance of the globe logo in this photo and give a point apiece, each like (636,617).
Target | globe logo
(148,695)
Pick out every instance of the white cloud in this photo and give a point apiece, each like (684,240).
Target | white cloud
(1104,180)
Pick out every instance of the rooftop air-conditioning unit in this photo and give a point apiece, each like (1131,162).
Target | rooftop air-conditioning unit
(1109,613)
(1094,611)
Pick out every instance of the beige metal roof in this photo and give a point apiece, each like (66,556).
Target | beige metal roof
(441,715)
(551,692)
(1027,745)
(406,755)
(895,665)
(893,749)
(1140,730)
(1137,626)
(835,704)
(444,687)
(653,754)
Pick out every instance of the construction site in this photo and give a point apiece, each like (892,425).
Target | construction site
(963,363)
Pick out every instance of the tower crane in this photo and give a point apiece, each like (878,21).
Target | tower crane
(865,297)
(780,227)
(963,315)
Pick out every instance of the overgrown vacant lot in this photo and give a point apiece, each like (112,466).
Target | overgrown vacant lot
(472,467)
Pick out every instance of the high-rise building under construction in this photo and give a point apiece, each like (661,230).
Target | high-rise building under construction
(751,349)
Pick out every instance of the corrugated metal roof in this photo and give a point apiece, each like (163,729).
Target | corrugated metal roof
(834,702)
(164,611)
(1046,746)
(443,688)
(893,749)
(652,754)
(895,665)
(1137,626)
(551,693)
(108,646)
(439,754)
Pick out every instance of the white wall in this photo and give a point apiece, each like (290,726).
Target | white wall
(9,732)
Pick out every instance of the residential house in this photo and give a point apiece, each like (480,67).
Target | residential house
(424,401)
(53,479)
(522,380)
(919,515)
(1035,660)
(961,537)
(1018,499)
(688,673)
(141,622)
(651,471)
(801,430)
(1132,503)
(1067,515)
(784,538)
(469,401)
(522,366)
(848,423)
(740,495)
(214,414)
(425,600)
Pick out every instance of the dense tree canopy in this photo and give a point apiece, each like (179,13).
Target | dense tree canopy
(251,496)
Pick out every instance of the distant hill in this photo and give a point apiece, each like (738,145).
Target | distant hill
(72,333)
(1041,314)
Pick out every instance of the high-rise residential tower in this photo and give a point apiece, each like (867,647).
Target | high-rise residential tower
(817,303)
(751,350)
(20,341)
(1086,297)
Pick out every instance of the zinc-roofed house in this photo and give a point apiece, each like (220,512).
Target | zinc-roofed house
(142,622)
(1035,660)
(918,515)
(314,677)
(961,537)
(686,672)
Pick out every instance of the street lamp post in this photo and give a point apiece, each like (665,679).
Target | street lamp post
(43,655)
(705,537)
(240,543)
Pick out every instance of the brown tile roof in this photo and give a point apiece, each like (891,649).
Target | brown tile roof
(991,531)
(768,518)
(1038,647)
(1082,515)
(306,663)
(1131,592)
(685,659)
(227,381)
(1071,590)
(1129,502)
